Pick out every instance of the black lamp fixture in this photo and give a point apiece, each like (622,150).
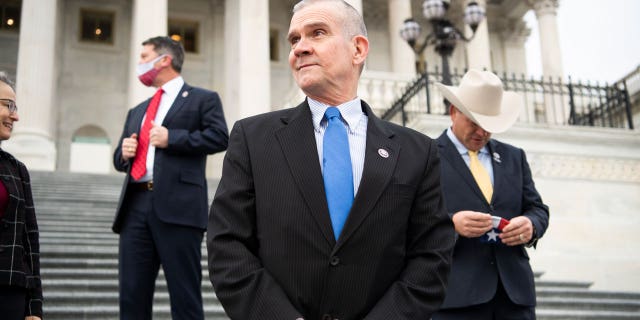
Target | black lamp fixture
(444,35)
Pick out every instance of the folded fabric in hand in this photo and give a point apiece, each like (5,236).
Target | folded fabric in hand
(498,225)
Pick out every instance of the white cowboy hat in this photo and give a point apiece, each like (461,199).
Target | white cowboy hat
(481,98)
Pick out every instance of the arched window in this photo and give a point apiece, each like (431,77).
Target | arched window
(90,150)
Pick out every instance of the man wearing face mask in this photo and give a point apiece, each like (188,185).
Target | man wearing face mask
(162,212)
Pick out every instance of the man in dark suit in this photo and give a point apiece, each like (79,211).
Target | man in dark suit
(278,245)
(493,202)
(162,213)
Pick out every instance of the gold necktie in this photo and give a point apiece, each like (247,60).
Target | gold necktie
(481,175)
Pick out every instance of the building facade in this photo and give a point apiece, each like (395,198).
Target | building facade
(74,61)
(74,64)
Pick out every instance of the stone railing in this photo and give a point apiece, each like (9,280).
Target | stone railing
(632,82)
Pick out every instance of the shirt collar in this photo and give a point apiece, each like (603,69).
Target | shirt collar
(173,86)
(351,112)
(459,146)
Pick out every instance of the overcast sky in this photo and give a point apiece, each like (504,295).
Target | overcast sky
(599,40)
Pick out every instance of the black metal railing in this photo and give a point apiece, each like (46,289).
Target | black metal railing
(546,100)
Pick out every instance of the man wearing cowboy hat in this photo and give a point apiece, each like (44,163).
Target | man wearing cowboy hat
(493,203)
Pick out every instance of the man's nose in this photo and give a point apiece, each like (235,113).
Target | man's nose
(302,47)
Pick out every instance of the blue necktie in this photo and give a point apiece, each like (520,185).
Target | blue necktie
(338,178)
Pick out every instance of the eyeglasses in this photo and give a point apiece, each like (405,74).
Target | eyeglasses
(10,104)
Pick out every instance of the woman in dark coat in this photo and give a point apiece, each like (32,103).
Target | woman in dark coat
(20,285)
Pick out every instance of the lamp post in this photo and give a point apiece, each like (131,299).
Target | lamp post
(444,35)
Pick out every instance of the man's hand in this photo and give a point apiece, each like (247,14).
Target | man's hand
(518,231)
(158,136)
(32,318)
(472,224)
(129,146)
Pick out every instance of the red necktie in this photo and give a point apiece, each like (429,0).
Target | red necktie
(139,167)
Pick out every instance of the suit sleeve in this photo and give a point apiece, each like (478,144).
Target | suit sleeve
(420,288)
(118,163)
(245,289)
(532,205)
(212,135)
(33,306)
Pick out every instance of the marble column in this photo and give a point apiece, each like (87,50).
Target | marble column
(478,49)
(150,19)
(546,14)
(514,35)
(402,56)
(556,110)
(247,65)
(33,139)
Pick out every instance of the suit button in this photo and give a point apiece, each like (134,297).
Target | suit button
(334,261)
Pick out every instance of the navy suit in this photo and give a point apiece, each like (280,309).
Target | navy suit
(165,226)
(272,251)
(478,267)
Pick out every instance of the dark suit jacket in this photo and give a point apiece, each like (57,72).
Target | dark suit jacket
(272,253)
(196,128)
(477,266)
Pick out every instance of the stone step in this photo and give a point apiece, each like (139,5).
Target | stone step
(554,314)
(563,284)
(86,297)
(160,312)
(96,272)
(46,219)
(105,284)
(52,235)
(589,303)
(56,225)
(581,293)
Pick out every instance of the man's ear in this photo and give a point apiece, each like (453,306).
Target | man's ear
(166,61)
(361,44)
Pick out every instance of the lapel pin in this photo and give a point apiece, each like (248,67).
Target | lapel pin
(496,157)
(383,153)
(185,94)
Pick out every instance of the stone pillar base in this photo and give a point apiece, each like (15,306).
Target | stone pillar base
(35,151)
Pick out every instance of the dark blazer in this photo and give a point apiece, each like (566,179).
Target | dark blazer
(272,253)
(19,235)
(477,266)
(196,128)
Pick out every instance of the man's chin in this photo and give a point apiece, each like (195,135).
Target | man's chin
(307,85)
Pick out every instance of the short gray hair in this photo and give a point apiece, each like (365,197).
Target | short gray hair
(5,78)
(352,21)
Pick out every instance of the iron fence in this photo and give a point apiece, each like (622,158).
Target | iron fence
(546,100)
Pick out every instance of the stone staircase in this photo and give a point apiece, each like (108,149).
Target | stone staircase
(79,260)
(79,251)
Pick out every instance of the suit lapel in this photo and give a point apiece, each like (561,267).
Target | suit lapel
(137,115)
(376,174)
(449,151)
(178,103)
(297,141)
